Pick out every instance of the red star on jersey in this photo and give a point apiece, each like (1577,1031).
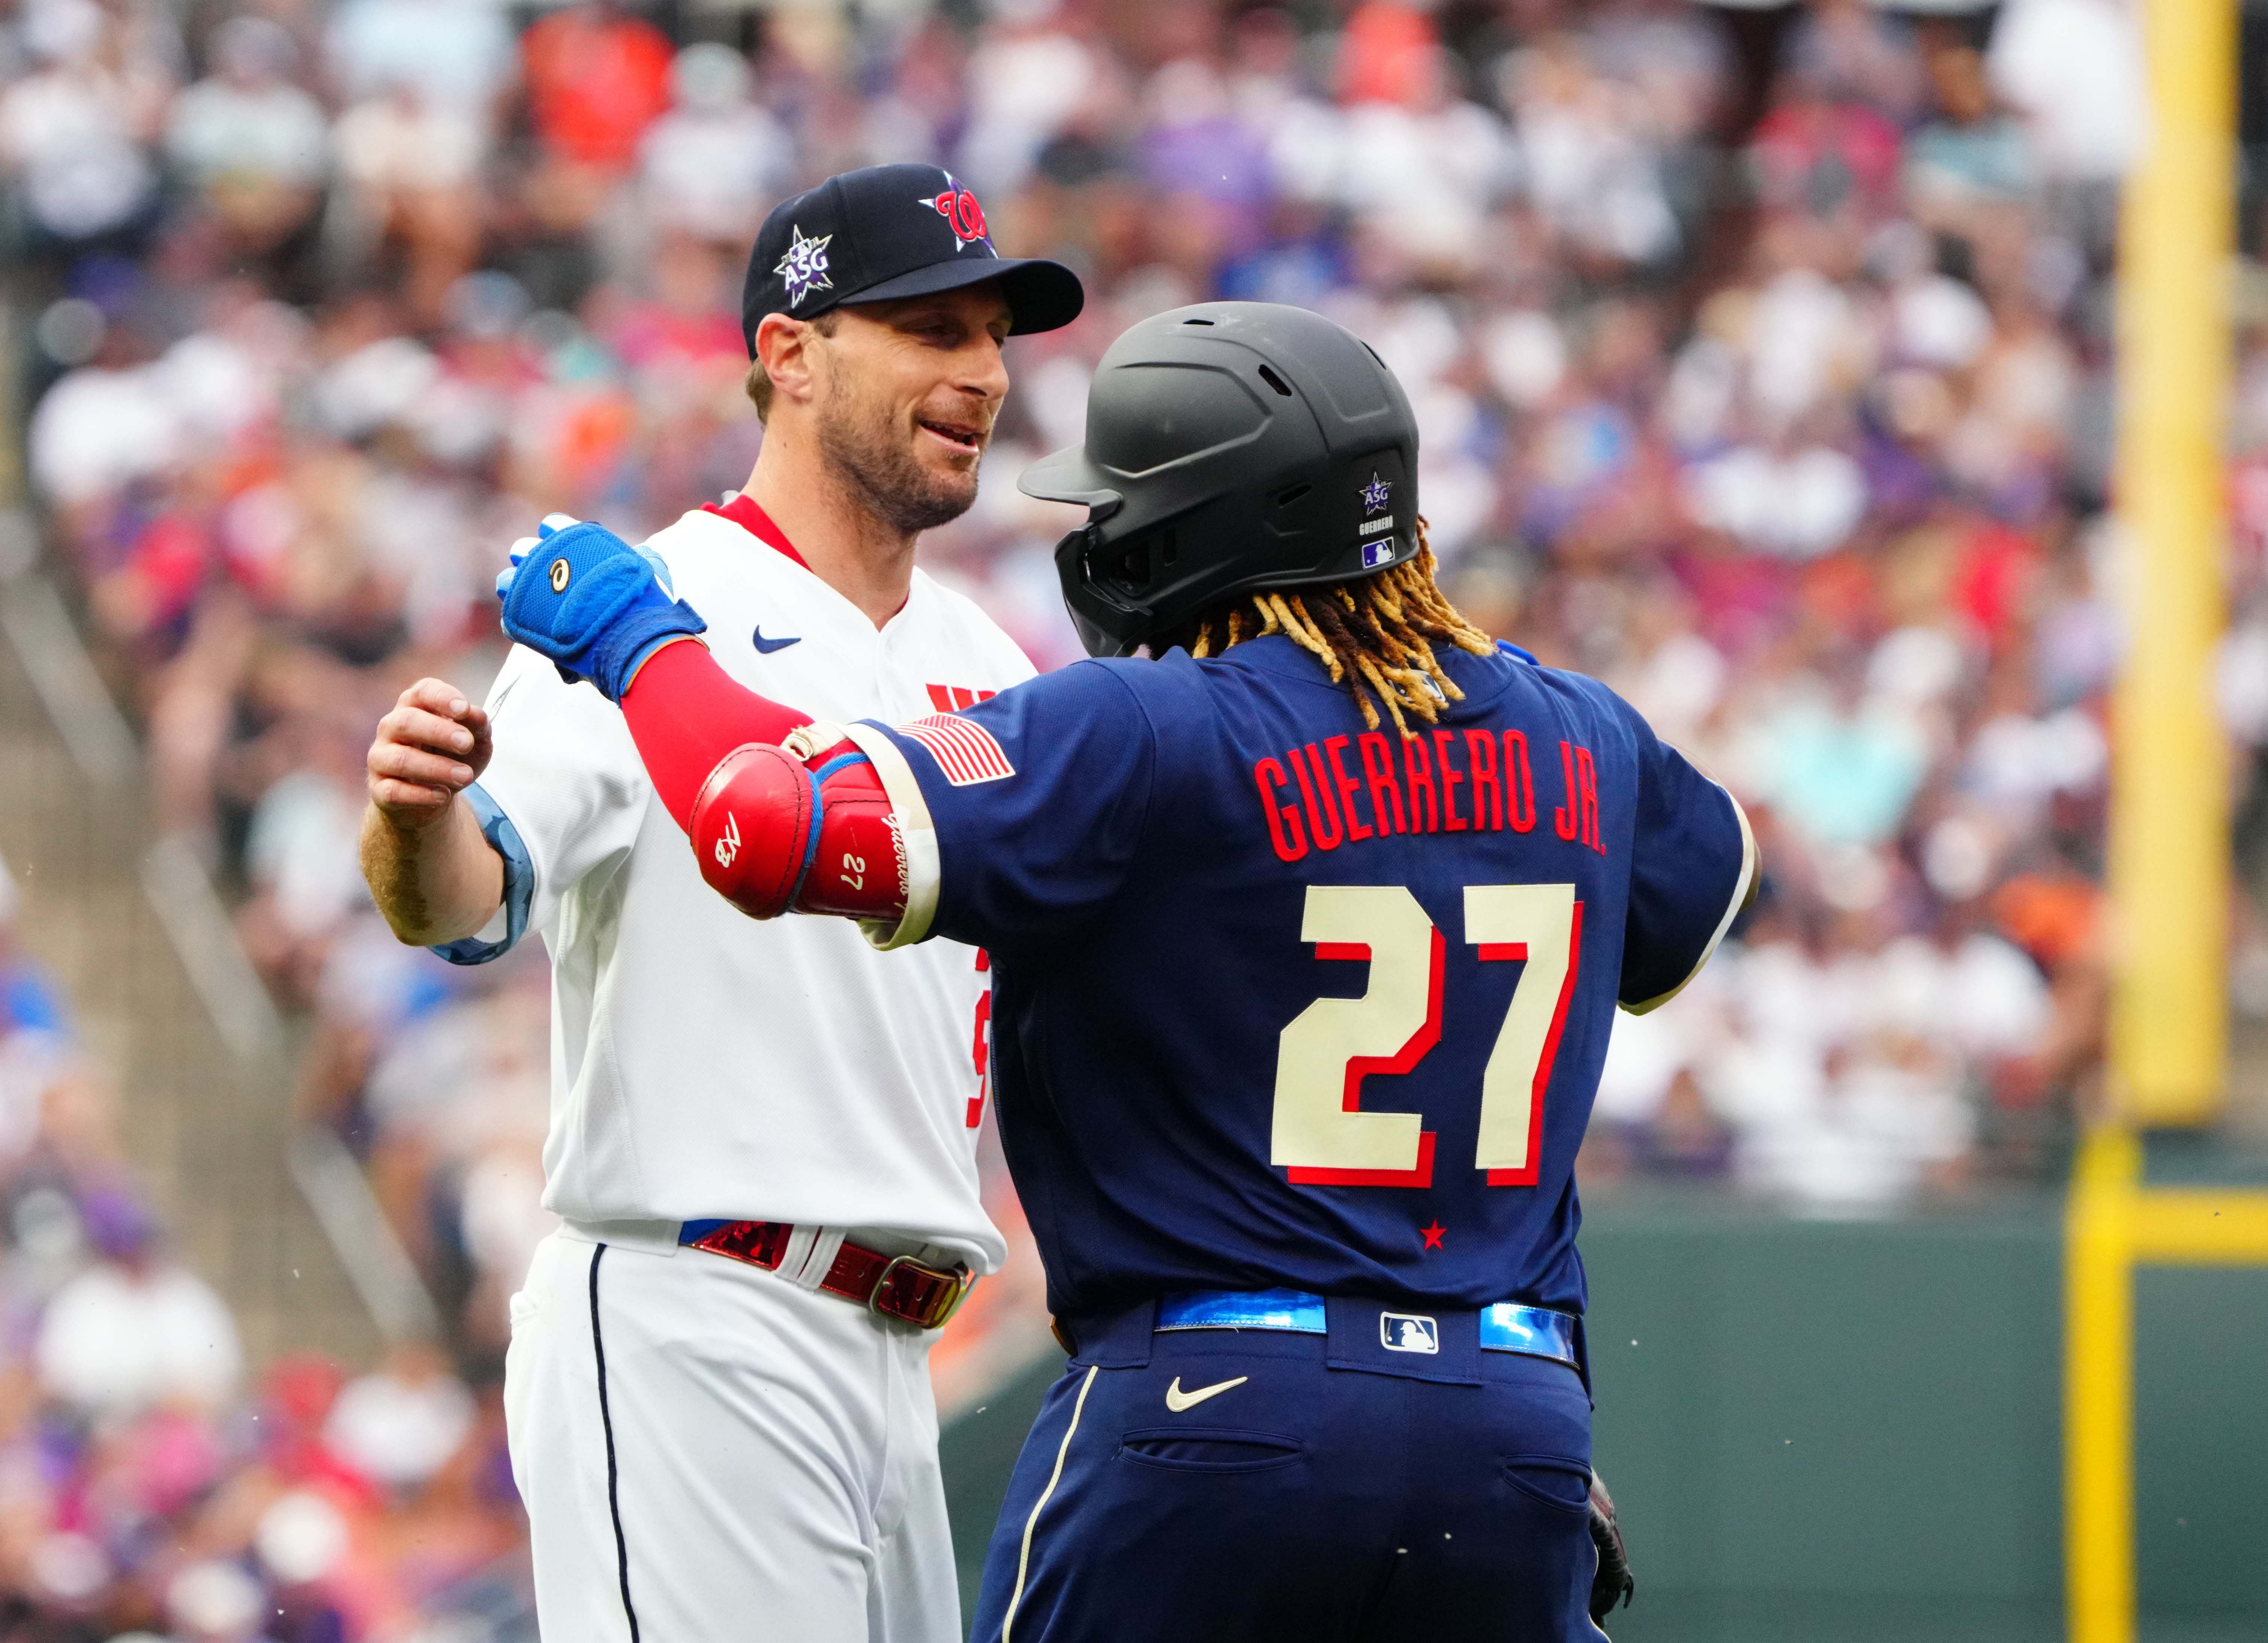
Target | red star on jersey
(1433,1234)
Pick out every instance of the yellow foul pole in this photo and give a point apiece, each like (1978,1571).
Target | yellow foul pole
(2170,846)
(2098,1393)
(2168,826)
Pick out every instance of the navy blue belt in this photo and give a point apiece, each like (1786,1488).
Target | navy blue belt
(1508,1326)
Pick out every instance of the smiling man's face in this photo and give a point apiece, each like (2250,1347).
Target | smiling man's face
(906,394)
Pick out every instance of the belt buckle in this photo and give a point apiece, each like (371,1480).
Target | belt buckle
(961,1281)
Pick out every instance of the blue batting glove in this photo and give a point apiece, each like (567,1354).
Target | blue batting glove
(551,525)
(593,604)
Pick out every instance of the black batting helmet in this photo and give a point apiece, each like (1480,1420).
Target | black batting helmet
(1231,447)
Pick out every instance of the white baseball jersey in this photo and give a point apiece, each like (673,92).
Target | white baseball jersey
(704,1064)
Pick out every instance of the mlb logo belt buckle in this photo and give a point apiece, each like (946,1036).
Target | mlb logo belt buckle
(1409,1332)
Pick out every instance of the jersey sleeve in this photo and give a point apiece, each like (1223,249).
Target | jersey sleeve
(1021,814)
(1692,860)
(563,792)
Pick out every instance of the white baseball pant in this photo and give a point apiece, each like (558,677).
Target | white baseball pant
(708,1451)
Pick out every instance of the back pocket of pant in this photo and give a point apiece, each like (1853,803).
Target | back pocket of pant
(1555,1481)
(1210,1449)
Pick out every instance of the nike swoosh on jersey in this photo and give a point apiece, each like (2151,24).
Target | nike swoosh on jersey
(765,647)
(1178,1400)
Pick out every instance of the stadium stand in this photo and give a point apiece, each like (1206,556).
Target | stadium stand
(1762,360)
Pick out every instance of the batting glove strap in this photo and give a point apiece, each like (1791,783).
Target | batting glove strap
(591,603)
(639,631)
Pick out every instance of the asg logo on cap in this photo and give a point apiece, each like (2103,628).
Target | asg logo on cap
(1409,1332)
(804,267)
(1376,494)
(959,207)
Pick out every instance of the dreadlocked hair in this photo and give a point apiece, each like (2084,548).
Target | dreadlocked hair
(1375,634)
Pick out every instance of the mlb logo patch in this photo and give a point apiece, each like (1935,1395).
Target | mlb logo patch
(1409,1332)
(963,749)
(1377,553)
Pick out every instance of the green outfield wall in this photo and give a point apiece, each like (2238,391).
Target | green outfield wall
(1851,1432)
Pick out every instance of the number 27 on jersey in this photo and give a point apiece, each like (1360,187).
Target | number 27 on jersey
(1320,1132)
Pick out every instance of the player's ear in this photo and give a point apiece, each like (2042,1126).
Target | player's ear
(785,347)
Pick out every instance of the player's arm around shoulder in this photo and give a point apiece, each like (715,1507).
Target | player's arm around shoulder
(1007,817)
(434,876)
(1037,803)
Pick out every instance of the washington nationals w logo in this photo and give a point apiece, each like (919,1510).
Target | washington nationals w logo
(959,207)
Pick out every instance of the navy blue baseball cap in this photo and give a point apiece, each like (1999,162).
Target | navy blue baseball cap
(887,232)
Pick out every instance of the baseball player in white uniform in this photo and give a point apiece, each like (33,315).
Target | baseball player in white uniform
(762,1135)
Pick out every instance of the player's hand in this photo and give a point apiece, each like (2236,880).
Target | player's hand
(431,747)
(550,526)
(593,604)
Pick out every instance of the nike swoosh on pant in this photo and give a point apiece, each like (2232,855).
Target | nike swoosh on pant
(765,647)
(1178,1400)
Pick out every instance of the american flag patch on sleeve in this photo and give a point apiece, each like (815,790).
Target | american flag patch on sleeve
(963,749)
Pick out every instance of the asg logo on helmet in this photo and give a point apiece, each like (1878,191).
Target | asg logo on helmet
(959,207)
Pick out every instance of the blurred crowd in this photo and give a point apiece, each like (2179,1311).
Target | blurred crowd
(1761,359)
(147,1489)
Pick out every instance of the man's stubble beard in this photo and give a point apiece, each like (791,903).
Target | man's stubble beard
(880,474)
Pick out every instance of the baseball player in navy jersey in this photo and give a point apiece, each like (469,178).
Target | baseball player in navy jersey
(763,1136)
(1308,936)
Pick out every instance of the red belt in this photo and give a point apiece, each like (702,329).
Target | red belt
(891,1286)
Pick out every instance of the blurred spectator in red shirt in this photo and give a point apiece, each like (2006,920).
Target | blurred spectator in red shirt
(1388,54)
(596,78)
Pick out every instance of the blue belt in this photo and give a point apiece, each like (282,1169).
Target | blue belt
(1508,1326)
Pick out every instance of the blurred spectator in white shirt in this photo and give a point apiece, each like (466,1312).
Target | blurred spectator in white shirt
(453,54)
(411,163)
(713,163)
(254,142)
(103,426)
(399,1425)
(1585,154)
(1027,80)
(135,1331)
(2076,69)
(75,131)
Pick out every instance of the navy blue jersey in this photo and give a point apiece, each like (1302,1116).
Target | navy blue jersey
(1282,1002)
